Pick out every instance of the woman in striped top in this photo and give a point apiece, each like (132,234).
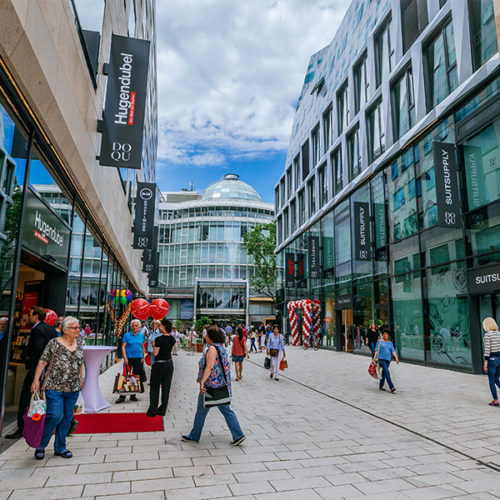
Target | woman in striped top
(492,356)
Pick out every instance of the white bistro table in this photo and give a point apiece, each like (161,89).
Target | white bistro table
(93,355)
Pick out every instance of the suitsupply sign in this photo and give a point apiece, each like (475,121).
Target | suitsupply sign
(123,119)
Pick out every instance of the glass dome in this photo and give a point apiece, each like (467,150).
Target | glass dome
(230,188)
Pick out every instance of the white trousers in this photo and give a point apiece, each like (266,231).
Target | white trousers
(275,364)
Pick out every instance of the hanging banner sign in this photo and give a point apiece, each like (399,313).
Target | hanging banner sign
(300,270)
(485,280)
(144,215)
(289,270)
(445,168)
(123,118)
(314,270)
(362,236)
(148,255)
(153,275)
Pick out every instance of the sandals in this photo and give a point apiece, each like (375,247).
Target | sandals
(64,454)
(493,404)
(39,454)
(393,390)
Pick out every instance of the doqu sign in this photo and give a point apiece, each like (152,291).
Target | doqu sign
(123,120)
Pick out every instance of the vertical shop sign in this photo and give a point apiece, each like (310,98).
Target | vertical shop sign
(300,271)
(148,255)
(380,229)
(362,236)
(445,167)
(289,270)
(314,272)
(476,182)
(144,215)
(123,119)
(153,274)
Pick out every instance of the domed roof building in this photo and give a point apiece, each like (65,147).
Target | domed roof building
(204,267)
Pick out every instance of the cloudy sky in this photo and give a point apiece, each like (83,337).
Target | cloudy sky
(229,76)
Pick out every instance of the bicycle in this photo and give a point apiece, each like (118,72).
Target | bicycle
(316,343)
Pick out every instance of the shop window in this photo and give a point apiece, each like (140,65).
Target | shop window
(481,156)
(441,66)
(327,128)
(482,30)
(413,20)
(315,145)
(338,171)
(379,218)
(376,132)
(342,234)
(327,246)
(384,53)
(342,108)
(403,104)
(484,226)
(305,160)
(361,84)
(354,154)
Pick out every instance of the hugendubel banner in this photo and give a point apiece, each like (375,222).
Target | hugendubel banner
(289,270)
(123,117)
(445,168)
(144,216)
(314,257)
(362,235)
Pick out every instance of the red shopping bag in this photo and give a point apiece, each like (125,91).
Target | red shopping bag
(372,369)
(283,364)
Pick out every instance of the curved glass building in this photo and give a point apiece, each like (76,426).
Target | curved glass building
(204,267)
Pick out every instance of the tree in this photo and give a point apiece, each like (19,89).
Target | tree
(260,243)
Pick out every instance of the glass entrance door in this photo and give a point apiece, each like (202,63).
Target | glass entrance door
(489,306)
(347,330)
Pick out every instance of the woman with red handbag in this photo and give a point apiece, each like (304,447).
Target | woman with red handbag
(276,350)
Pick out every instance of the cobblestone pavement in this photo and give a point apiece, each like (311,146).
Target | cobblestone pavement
(323,431)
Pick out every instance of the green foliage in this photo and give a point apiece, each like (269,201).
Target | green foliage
(200,323)
(179,325)
(260,243)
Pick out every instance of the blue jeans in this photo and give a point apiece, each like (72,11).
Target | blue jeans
(201,415)
(384,364)
(494,375)
(372,345)
(252,345)
(60,406)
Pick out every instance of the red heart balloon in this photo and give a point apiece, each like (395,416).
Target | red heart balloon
(159,308)
(140,309)
(51,317)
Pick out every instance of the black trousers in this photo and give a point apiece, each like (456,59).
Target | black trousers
(161,375)
(137,368)
(25,398)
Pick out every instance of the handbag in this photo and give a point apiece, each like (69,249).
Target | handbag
(126,382)
(283,364)
(217,396)
(267,363)
(34,420)
(273,353)
(373,369)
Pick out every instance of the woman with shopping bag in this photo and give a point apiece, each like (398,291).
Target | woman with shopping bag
(63,381)
(276,350)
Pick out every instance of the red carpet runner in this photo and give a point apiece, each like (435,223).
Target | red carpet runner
(101,423)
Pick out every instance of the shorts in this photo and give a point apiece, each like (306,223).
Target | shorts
(237,359)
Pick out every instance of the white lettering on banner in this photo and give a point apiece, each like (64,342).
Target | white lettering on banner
(121,151)
(44,231)
(447,178)
(126,104)
(487,278)
(474,180)
(362,237)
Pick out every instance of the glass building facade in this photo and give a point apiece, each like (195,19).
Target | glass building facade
(204,266)
(386,256)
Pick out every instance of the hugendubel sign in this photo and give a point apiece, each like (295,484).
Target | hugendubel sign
(123,118)
(144,215)
(445,168)
(362,235)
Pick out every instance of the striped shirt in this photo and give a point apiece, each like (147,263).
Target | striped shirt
(491,343)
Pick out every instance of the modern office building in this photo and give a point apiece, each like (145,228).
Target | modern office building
(204,266)
(65,220)
(388,209)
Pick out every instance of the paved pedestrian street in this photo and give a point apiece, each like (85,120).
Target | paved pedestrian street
(323,431)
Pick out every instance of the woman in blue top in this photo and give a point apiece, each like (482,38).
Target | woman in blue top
(275,349)
(211,374)
(384,352)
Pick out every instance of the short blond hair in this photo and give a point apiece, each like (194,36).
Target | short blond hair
(489,324)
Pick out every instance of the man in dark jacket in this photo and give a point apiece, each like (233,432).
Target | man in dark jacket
(41,333)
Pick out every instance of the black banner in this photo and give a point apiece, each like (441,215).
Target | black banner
(300,270)
(144,215)
(153,274)
(289,270)
(314,269)
(445,168)
(485,280)
(148,255)
(362,236)
(123,118)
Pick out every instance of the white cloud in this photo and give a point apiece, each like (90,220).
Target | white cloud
(230,73)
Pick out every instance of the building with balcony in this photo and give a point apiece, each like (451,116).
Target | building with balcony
(388,208)
(204,266)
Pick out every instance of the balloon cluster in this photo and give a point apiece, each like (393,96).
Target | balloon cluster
(141,309)
(119,296)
